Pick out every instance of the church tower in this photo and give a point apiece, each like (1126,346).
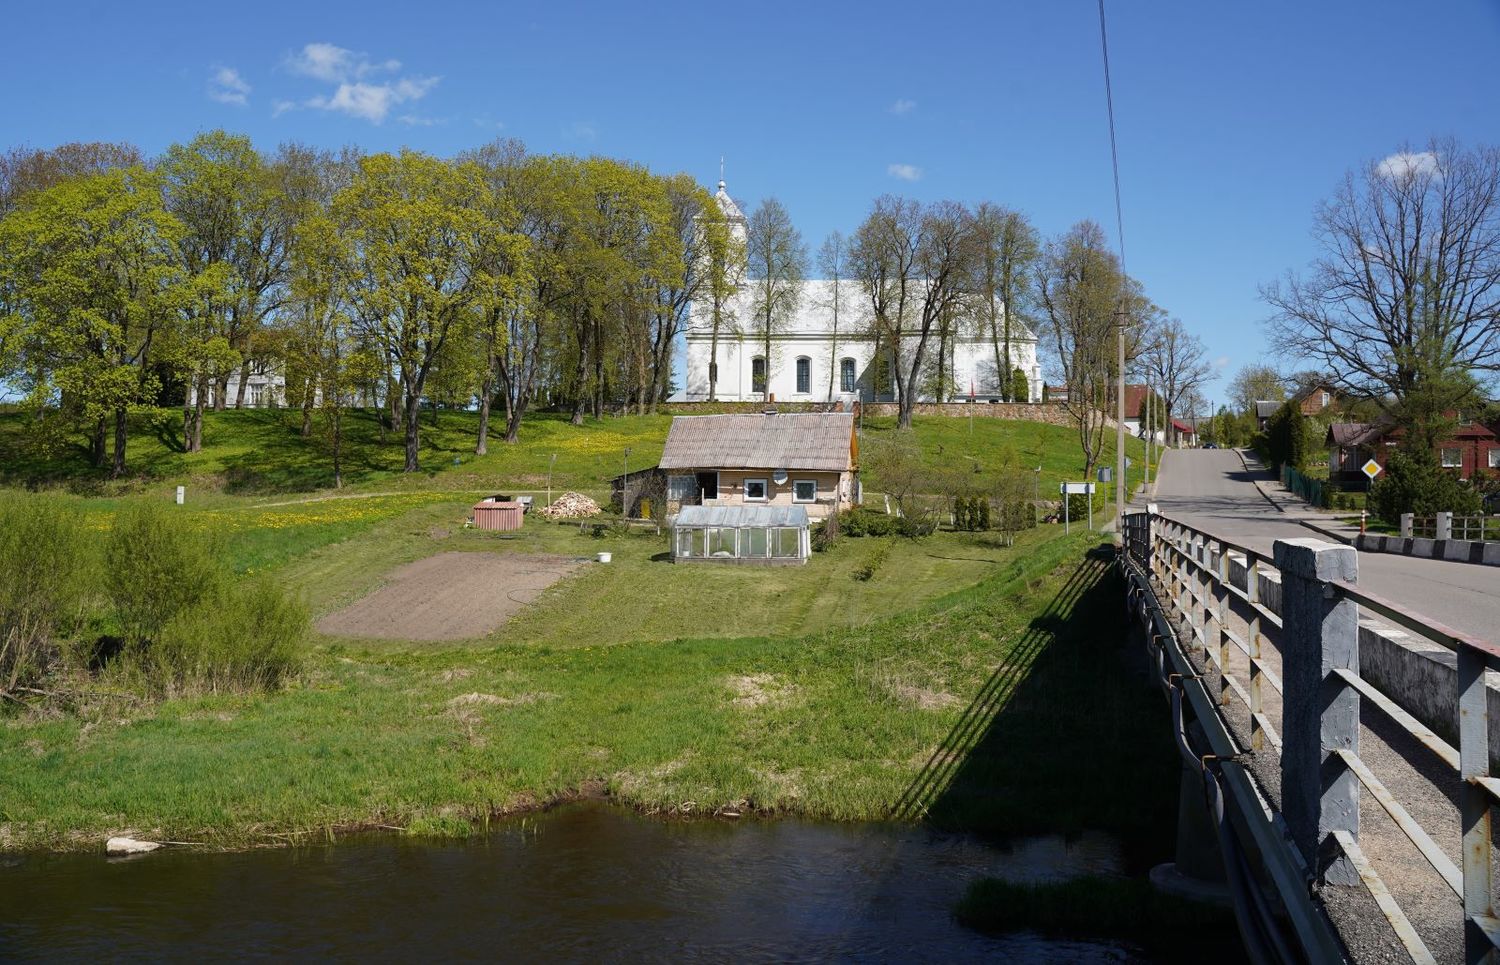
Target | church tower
(732,213)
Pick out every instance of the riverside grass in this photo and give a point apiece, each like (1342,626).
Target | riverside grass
(838,724)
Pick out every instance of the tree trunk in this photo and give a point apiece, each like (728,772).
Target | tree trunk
(118,469)
(338,443)
(221,389)
(411,420)
(239,392)
(97,444)
(195,441)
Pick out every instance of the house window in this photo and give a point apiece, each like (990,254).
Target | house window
(1325,400)
(846,375)
(1494,459)
(757,374)
(755,490)
(1452,458)
(805,491)
(804,375)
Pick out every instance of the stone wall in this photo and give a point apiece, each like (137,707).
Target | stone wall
(1052,413)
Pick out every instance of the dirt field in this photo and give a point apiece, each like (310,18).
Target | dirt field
(450,596)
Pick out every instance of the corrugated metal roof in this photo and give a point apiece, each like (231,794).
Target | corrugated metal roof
(742,516)
(786,440)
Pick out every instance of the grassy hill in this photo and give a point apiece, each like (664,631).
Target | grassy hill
(261,452)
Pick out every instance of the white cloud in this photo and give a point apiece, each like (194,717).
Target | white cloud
(582,131)
(906,172)
(1404,164)
(903,105)
(417,120)
(372,102)
(226,86)
(280,107)
(1222,362)
(324,61)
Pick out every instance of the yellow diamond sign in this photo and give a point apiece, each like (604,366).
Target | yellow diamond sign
(1371,469)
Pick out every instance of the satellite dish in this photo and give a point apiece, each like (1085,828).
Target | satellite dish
(779,476)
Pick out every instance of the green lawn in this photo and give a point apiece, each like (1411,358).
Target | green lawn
(940,685)
(898,716)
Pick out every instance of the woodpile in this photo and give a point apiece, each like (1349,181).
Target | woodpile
(571,506)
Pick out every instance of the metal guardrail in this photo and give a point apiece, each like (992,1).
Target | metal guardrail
(1202,575)
(1447,526)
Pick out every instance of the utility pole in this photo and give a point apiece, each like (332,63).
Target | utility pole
(1120,422)
(1150,432)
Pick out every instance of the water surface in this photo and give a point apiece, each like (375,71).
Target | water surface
(584,882)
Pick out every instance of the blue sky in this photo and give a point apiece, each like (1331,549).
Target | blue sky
(1233,119)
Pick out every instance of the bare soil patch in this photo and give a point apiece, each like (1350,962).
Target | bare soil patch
(450,596)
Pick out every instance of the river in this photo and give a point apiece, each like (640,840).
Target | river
(582,882)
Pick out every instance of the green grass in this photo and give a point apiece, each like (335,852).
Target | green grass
(260,452)
(843,724)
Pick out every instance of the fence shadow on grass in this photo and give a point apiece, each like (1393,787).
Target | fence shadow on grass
(1065,734)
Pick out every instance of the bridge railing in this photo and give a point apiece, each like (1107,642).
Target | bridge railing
(1304,601)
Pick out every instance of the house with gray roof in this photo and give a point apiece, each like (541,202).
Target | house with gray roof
(804,459)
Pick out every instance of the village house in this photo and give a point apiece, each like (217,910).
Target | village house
(1473,449)
(804,459)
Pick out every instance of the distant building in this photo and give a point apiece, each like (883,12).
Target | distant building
(1316,398)
(1264,410)
(265,388)
(810,361)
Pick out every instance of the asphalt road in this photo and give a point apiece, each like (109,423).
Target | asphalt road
(1211,489)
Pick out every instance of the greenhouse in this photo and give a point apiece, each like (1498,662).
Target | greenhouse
(752,535)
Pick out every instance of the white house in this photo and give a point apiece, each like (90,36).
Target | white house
(811,360)
(264,389)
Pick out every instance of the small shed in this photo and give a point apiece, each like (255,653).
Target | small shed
(745,535)
(498,514)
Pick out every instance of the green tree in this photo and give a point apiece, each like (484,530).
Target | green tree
(1413,482)
(1288,438)
(96,286)
(1255,383)
(1020,389)
(418,230)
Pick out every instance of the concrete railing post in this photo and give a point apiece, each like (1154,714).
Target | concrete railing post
(1444,526)
(1406,525)
(1320,713)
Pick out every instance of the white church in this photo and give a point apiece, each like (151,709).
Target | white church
(811,361)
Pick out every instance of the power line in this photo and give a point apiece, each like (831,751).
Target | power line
(1114,159)
(1114,154)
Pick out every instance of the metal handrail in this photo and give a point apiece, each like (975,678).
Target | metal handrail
(1180,570)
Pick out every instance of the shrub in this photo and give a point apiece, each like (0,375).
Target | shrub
(243,636)
(45,562)
(155,569)
(868,569)
(1413,482)
(982,521)
(1289,438)
(864,522)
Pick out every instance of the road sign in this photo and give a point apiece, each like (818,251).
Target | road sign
(1106,473)
(1076,489)
(1371,469)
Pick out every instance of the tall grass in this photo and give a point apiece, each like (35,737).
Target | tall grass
(187,623)
(44,578)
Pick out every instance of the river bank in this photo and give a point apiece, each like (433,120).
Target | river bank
(959,711)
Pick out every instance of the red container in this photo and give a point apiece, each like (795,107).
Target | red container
(497,515)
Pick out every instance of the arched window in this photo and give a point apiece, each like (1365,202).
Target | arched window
(757,374)
(804,375)
(847,375)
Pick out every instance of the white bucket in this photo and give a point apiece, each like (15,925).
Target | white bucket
(604,557)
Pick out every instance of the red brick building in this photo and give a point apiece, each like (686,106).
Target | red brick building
(1473,449)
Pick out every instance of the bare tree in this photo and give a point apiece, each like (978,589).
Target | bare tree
(833,262)
(1404,303)
(1255,383)
(1174,362)
(1008,248)
(777,261)
(1084,297)
(915,266)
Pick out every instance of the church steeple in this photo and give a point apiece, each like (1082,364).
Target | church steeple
(730,209)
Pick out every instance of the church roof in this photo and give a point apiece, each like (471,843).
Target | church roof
(728,205)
